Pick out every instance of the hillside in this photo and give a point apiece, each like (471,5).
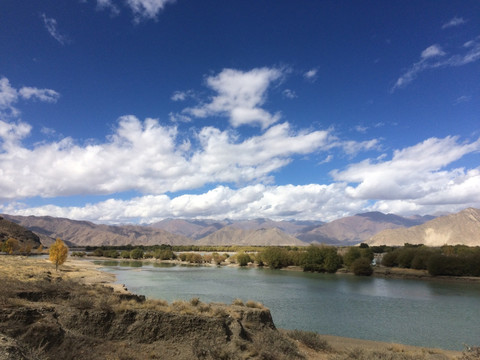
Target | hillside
(9,229)
(232,235)
(82,233)
(357,228)
(460,228)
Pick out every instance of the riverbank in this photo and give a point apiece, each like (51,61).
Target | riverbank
(60,308)
(378,271)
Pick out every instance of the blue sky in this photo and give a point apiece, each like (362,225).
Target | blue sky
(137,110)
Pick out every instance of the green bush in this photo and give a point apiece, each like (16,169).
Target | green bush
(390,259)
(276,257)
(353,253)
(243,259)
(362,267)
(125,254)
(136,254)
(321,259)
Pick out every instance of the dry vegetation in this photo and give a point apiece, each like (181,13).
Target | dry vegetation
(46,314)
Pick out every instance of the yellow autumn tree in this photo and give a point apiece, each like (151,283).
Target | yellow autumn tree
(58,253)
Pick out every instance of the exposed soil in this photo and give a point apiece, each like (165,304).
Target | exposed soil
(71,314)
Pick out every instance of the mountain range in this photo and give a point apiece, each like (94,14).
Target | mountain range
(346,231)
(462,228)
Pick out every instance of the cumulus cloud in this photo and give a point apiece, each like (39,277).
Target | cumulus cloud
(417,173)
(147,157)
(311,75)
(306,202)
(9,96)
(108,5)
(414,180)
(51,26)
(239,96)
(432,51)
(147,9)
(456,21)
(434,57)
(47,95)
(289,94)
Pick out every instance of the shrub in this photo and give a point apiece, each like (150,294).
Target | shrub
(238,302)
(390,259)
(362,267)
(275,257)
(136,254)
(310,339)
(243,259)
(125,254)
(352,254)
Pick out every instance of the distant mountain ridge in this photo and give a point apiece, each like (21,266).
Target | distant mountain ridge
(346,231)
(83,233)
(462,228)
(358,228)
(9,229)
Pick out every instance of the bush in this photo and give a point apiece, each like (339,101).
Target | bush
(321,259)
(243,259)
(125,254)
(445,265)
(310,339)
(136,254)
(390,259)
(352,254)
(276,257)
(362,267)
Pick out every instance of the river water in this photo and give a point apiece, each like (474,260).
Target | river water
(414,312)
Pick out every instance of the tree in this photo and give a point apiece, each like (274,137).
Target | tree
(58,253)
(352,254)
(11,245)
(136,254)
(362,267)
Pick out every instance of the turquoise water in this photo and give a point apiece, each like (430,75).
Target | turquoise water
(421,313)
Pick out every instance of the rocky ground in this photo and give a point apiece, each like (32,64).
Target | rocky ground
(75,314)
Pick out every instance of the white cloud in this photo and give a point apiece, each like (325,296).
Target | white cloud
(147,157)
(429,59)
(290,94)
(306,202)
(311,75)
(239,96)
(47,95)
(415,173)
(456,21)
(108,5)
(51,26)
(415,180)
(181,95)
(432,51)
(10,96)
(147,9)
(462,99)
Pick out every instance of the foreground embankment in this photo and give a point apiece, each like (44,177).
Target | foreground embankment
(76,313)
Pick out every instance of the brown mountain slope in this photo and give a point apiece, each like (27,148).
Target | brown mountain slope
(231,235)
(9,229)
(460,228)
(357,228)
(194,229)
(83,233)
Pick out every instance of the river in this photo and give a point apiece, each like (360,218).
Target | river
(414,312)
